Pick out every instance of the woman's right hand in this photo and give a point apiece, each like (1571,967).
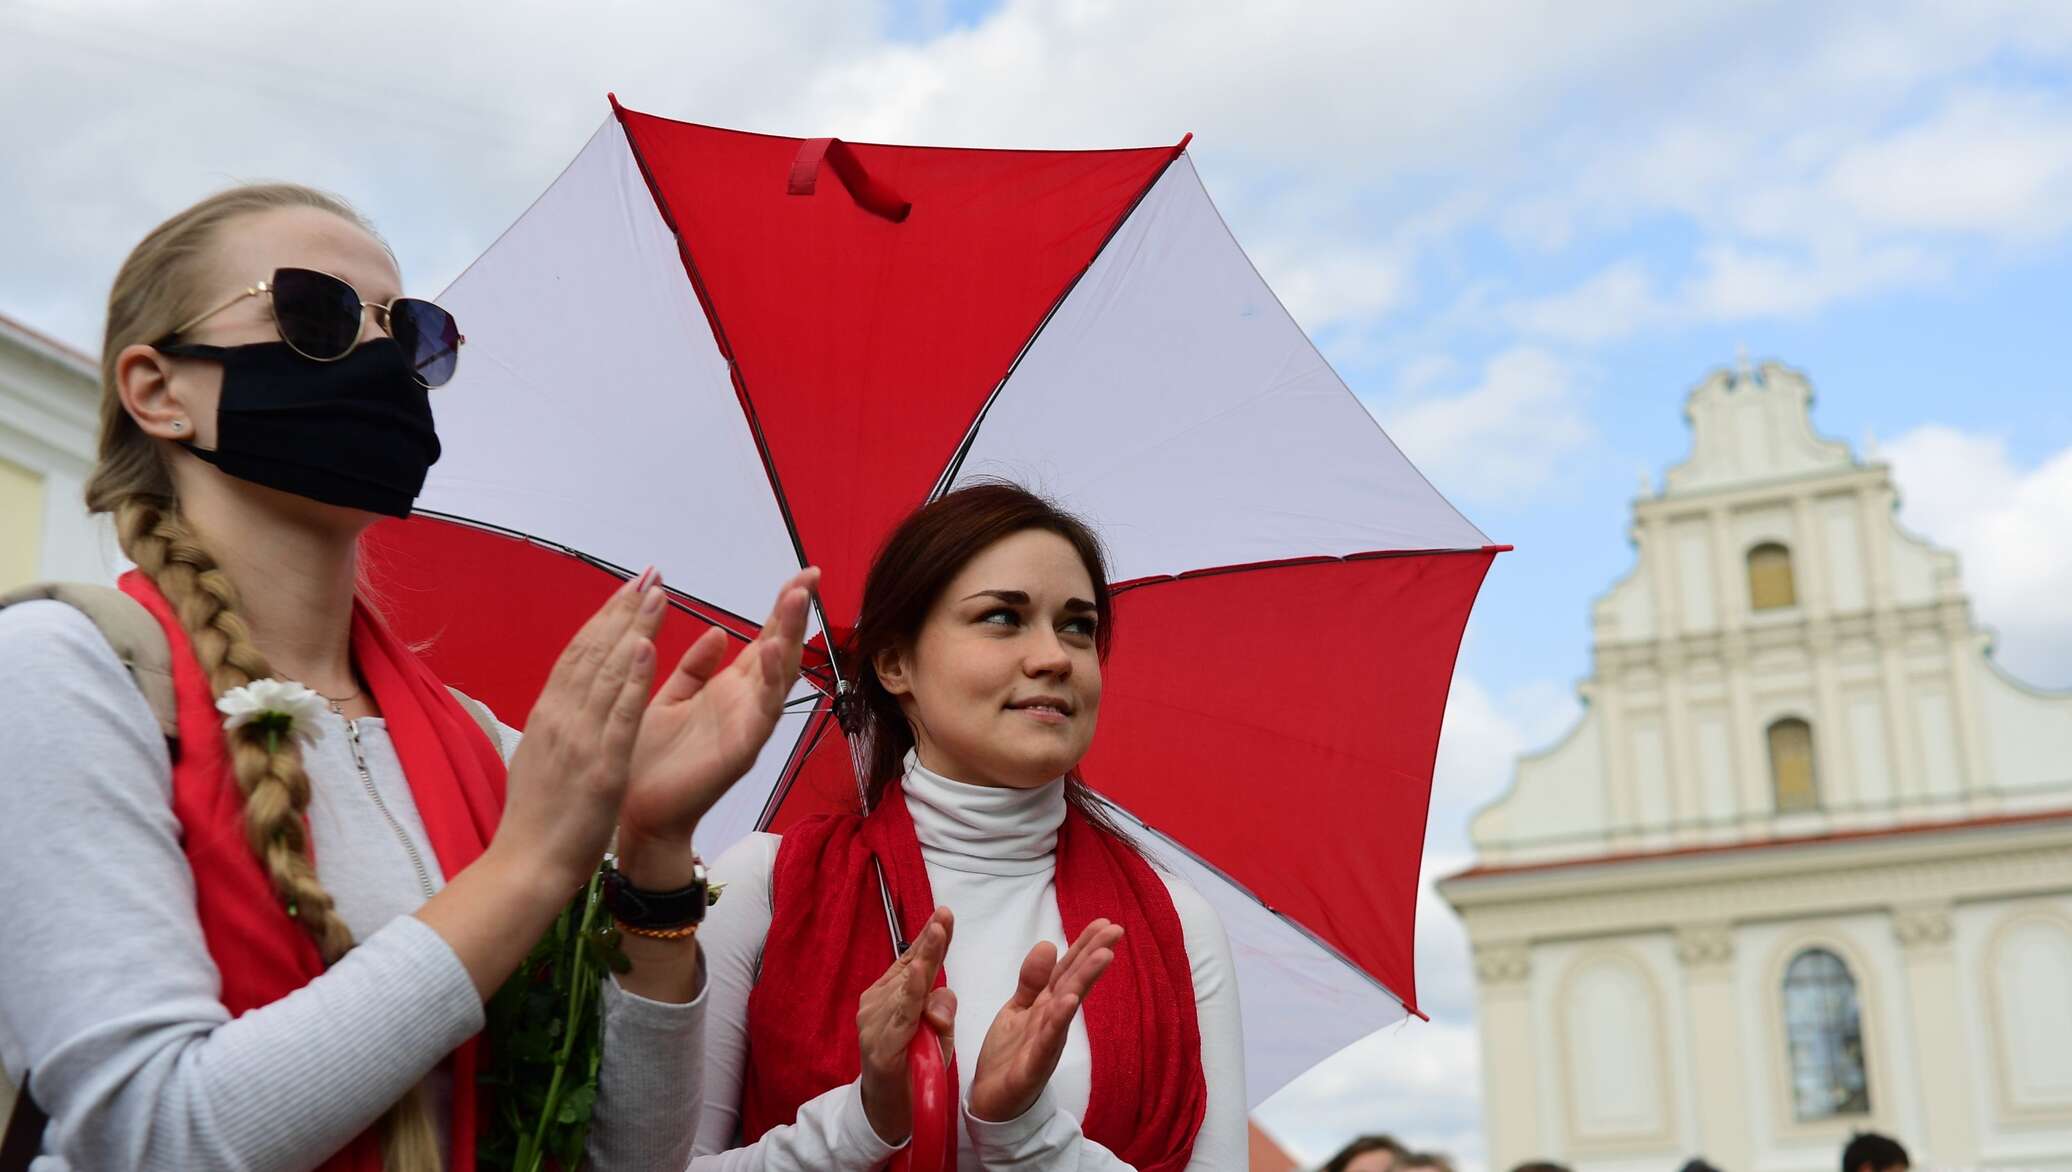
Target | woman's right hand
(563,788)
(887,1015)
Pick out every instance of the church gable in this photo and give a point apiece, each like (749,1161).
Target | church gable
(1783,660)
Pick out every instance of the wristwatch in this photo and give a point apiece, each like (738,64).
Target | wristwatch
(637,907)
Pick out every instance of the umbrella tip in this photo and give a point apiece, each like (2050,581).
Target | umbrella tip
(1184,140)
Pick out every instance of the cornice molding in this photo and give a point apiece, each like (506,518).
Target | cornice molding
(1822,879)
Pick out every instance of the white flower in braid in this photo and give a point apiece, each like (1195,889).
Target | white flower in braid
(274,707)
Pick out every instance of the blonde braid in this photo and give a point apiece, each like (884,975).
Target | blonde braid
(275,787)
(161,283)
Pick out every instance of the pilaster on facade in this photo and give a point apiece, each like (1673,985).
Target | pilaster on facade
(1706,950)
(1706,953)
(1503,964)
(1923,926)
(1935,1016)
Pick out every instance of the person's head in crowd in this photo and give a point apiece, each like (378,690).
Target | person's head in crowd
(1369,1153)
(1424,1162)
(985,621)
(1870,1152)
(1545,1166)
(1698,1164)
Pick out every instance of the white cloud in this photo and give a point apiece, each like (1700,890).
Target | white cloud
(1963,491)
(1729,283)
(1325,286)
(1507,435)
(1620,300)
(1990,163)
(1391,112)
(1736,284)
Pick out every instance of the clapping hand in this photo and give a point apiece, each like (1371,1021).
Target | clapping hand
(887,1015)
(1023,1044)
(703,729)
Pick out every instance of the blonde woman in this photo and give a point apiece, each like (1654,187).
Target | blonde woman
(255,951)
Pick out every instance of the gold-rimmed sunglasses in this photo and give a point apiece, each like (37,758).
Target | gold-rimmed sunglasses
(319,315)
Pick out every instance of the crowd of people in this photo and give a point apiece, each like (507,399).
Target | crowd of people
(1867,1151)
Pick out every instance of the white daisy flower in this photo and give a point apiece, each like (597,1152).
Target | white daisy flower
(277,706)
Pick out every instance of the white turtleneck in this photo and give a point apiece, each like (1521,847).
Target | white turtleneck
(991,855)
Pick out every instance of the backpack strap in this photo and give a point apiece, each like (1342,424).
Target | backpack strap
(137,639)
(483,717)
(139,642)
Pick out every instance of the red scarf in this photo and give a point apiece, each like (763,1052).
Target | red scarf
(827,944)
(456,777)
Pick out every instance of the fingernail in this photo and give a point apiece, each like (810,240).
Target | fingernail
(652,604)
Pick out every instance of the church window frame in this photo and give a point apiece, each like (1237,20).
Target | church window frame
(1772,580)
(1794,765)
(1822,1007)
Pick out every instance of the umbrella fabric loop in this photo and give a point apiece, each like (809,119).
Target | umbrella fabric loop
(869,194)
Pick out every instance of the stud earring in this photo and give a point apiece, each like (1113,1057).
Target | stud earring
(179,425)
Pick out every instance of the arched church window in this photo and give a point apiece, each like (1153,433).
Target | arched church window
(1791,766)
(1769,577)
(1825,1036)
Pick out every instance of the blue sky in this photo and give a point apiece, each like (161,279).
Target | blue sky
(1521,232)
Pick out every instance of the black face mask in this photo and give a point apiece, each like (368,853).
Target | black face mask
(355,433)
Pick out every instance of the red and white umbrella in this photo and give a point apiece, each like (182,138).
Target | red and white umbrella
(733,354)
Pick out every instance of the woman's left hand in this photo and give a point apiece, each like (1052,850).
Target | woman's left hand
(1024,1043)
(704,728)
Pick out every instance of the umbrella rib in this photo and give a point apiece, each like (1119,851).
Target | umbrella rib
(726,350)
(1378,428)
(956,464)
(1328,948)
(1118,588)
(735,626)
(801,751)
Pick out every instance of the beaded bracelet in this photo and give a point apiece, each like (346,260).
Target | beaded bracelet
(677,933)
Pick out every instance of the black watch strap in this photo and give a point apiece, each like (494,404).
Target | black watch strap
(637,907)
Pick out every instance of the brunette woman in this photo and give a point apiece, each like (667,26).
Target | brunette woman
(977,674)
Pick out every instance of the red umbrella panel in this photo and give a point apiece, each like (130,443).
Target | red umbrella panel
(732,354)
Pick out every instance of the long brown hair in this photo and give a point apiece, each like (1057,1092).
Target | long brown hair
(163,282)
(911,571)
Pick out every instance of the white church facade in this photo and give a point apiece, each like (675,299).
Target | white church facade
(1804,865)
(49,404)
(49,417)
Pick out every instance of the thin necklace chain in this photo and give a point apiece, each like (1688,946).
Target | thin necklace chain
(338,703)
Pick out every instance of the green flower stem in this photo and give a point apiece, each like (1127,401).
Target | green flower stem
(581,982)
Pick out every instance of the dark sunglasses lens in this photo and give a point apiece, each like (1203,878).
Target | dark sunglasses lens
(429,336)
(318,314)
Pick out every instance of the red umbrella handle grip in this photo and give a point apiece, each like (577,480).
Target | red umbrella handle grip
(932,1083)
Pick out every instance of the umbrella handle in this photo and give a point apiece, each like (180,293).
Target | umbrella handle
(932,1082)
